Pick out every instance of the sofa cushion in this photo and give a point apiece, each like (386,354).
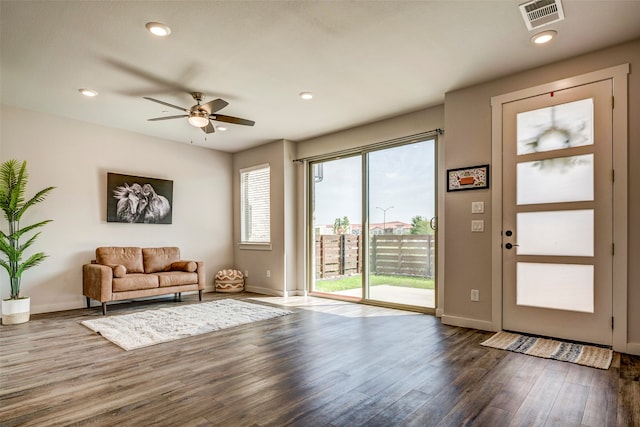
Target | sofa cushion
(188,266)
(134,282)
(130,257)
(173,278)
(159,259)
(119,270)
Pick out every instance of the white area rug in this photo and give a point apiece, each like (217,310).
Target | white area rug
(145,328)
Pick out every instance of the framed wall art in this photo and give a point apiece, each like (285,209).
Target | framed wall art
(136,199)
(470,178)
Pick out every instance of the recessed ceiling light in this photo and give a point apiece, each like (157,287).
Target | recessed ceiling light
(306,95)
(88,92)
(544,37)
(221,128)
(158,29)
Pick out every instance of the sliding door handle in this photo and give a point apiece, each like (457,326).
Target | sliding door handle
(432,224)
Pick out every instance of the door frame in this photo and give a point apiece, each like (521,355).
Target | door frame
(618,75)
(309,271)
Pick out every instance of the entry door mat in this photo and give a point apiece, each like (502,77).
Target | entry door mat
(145,328)
(580,354)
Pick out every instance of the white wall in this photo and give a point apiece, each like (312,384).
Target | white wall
(280,259)
(382,130)
(75,157)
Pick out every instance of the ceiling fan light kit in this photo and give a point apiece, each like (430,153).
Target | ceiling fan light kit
(198,119)
(200,115)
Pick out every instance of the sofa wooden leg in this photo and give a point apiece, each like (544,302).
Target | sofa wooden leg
(179,296)
(104,308)
(88,303)
(200,294)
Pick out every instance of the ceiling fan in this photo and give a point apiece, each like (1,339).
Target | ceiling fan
(201,115)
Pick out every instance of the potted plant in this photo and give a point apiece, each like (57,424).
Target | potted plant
(13,183)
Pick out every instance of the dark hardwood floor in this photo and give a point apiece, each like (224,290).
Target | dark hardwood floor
(328,364)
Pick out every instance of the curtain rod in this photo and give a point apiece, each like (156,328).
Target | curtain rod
(358,150)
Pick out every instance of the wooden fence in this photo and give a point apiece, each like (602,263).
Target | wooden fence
(405,255)
(338,255)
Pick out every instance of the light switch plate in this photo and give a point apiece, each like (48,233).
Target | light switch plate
(477,225)
(477,207)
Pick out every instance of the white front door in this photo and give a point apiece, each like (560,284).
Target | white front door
(557,214)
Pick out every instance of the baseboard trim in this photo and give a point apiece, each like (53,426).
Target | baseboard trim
(265,291)
(439,312)
(464,322)
(296,293)
(633,348)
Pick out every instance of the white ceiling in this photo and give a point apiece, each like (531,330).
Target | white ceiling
(363,60)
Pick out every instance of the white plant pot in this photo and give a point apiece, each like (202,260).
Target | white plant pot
(15,311)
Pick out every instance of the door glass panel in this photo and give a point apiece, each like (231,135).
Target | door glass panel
(568,233)
(402,194)
(557,127)
(336,206)
(555,286)
(560,179)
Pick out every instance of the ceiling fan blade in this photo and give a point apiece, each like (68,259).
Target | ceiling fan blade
(167,118)
(166,103)
(231,119)
(215,105)
(208,128)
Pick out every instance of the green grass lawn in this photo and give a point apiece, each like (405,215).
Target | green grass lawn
(354,282)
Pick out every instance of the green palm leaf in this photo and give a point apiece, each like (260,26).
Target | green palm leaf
(33,260)
(40,196)
(18,234)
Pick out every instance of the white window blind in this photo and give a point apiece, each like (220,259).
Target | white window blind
(255,221)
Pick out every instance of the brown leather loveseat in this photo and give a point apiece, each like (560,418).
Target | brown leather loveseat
(120,273)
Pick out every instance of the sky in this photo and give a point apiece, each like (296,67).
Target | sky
(401,180)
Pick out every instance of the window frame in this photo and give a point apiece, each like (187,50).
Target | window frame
(248,244)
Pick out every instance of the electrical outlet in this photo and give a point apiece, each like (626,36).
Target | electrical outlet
(246,273)
(268,273)
(477,225)
(475,295)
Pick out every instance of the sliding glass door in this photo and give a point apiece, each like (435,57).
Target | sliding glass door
(336,207)
(373,225)
(402,210)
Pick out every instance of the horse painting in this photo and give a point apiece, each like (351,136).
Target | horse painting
(139,202)
(157,206)
(128,202)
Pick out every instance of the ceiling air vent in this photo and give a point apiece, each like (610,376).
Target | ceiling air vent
(538,13)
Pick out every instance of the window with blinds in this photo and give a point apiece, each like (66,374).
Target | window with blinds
(255,221)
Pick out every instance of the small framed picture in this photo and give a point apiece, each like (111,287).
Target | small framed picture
(471,178)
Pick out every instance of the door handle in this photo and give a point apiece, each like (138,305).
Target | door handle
(432,223)
(509,245)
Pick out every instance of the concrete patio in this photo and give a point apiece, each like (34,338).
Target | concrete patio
(395,294)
